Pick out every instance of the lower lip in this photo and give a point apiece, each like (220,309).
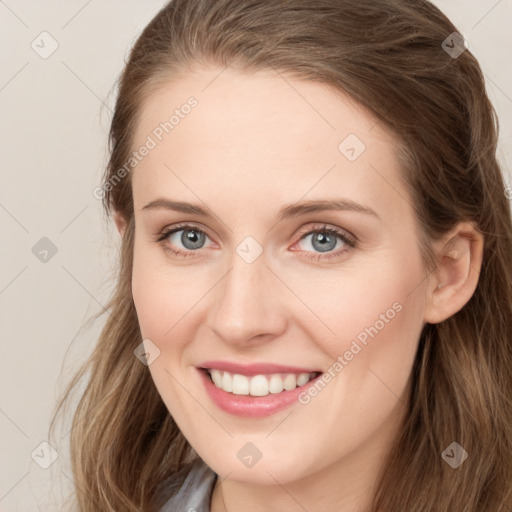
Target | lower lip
(252,406)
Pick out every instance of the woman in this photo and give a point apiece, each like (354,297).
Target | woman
(313,309)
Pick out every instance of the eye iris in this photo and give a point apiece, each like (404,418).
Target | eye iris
(326,244)
(190,236)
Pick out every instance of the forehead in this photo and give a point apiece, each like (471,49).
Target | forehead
(261,140)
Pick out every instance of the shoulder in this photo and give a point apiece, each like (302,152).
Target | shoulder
(192,491)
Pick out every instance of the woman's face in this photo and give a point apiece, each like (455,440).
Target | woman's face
(259,281)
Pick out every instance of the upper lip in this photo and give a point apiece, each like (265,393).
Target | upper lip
(254,369)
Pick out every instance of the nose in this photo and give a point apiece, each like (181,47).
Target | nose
(247,309)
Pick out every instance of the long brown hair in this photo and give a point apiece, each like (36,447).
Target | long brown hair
(389,56)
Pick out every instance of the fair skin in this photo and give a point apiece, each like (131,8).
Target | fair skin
(254,144)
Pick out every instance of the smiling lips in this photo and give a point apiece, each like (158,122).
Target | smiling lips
(256,379)
(258,385)
(256,395)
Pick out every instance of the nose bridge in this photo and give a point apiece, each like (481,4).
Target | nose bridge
(245,304)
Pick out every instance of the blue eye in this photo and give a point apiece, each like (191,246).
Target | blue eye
(324,240)
(192,238)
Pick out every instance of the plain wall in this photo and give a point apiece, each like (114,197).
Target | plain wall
(55,115)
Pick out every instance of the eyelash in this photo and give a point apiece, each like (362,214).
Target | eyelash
(344,236)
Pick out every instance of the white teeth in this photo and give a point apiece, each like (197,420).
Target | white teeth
(227,382)
(240,384)
(290,382)
(276,384)
(258,385)
(302,379)
(216,377)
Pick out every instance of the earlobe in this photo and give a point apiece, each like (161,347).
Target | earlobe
(453,284)
(120,222)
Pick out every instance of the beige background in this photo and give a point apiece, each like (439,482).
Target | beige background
(55,114)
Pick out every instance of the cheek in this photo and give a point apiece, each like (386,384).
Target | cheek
(378,304)
(163,294)
(377,321)
(385,315)
(150,301)
(162,298)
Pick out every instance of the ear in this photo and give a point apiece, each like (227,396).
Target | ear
(120,222)
(453,283)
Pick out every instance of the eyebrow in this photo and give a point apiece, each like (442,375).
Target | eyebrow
(288,212)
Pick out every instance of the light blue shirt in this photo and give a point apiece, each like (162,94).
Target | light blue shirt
(196,492)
